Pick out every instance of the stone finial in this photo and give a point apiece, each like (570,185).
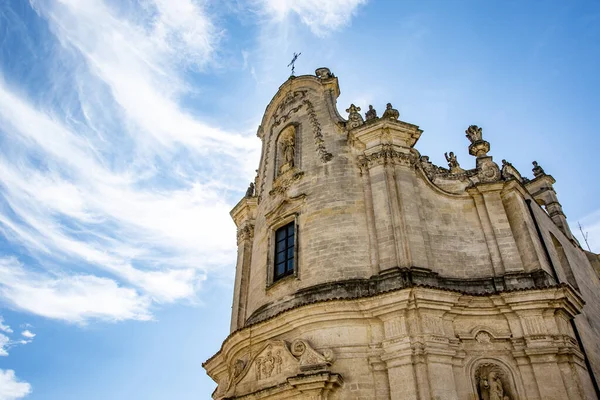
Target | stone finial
(390,112)
(323,73)
(474,133)
(371,114)
(354,117)
(250,190)
(478,147)
(537,170)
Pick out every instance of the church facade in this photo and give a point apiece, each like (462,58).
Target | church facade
(364,271)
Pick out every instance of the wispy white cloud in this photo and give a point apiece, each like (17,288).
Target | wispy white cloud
(320,16)
(6,342)
(73,298)
(106,179)
(12,388)
(28,334)
(3,327)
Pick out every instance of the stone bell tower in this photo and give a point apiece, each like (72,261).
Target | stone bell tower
(364,271)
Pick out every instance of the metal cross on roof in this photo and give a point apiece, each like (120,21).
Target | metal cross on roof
(293,62)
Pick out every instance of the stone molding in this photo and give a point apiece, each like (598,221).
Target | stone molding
(430,342)
(402,278)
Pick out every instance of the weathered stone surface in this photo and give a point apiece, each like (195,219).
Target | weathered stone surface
(411,281)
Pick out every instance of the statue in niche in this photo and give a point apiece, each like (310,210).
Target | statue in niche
(288,151)
(492,384)
(371,114)
(390,112)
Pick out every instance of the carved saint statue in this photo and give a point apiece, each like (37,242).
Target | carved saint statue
(491,386)
(537,170)
(371,114)
(287,154)
(390,112)
(250,190)
(452,161)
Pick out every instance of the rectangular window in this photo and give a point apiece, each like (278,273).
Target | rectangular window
(284,251)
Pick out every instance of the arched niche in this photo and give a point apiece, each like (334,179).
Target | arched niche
(286,156)
(493,379)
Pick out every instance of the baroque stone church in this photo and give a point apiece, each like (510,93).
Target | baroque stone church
(364,271)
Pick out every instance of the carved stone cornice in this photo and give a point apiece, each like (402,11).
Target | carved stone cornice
(387,155)
(244,211)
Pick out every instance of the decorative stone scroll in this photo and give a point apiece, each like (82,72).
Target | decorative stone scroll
(354,117)
(510,172)
(324,155)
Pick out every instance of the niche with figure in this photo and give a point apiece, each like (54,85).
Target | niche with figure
(493,383)
(286,150)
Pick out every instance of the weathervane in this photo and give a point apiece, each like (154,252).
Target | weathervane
(293,62)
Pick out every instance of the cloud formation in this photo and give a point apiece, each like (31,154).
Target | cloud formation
(320,16)
(10,387)
(119,194)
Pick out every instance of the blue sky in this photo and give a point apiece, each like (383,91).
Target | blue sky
(127,133)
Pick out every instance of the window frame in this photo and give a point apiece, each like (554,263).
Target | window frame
(284,246)
(272,280)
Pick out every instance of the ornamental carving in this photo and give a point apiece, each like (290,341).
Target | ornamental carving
(354,117)
(285,180)
(276,362)
(509,172)
(488,170)
(474,133)
(324,156)
(493,383)
(387,155)
(324,73)
(246,232)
